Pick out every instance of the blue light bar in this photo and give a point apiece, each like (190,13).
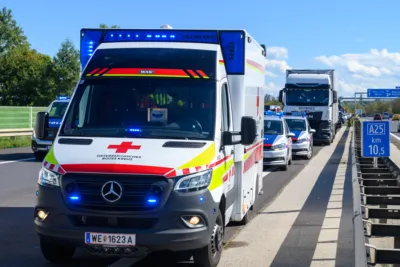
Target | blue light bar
(166,35)
(62,97)
(152,200)
(232,45)
(90,40)
(135,130)
(74,198)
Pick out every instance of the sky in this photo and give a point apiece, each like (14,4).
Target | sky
(358,38)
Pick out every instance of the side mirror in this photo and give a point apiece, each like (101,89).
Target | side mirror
(291,135)
(42,123)
(227,138)
(335,100)
(312,131)
(280,96)
(248,130)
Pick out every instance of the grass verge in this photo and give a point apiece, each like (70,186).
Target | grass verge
(15,141)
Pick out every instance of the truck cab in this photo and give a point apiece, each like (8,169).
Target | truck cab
(160,147)
(313,92)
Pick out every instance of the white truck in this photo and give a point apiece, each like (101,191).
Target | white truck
(160,148)
(315,92)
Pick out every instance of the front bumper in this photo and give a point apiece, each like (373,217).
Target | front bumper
(159,229)
(300,149)
(38,145)
(275,158)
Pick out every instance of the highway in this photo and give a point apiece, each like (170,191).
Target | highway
(18,177)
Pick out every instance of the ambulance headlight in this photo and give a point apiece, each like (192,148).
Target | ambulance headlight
(48,178)
(194,182)
(302,140)
(279,147)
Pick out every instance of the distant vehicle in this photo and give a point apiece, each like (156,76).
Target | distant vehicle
(341,120)
(386,115)
(315,92)
(277,141)
(377,117)
(396,117)
(56,112)
(303,135)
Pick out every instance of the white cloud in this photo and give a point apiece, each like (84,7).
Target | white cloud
(357,72)
(277,52)
(276,66)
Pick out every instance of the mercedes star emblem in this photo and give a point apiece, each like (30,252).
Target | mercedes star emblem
(111,191)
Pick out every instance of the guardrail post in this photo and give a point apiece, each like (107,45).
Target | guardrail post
(396,245)
(30,117)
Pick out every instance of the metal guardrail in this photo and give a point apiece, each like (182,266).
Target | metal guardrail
(374,186)
(15,132)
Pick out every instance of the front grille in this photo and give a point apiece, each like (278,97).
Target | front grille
(273,159)
(300,150)
(268,148)
(314,124)
(135,191)
(113,222)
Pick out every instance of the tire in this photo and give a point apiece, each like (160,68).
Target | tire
(309,156)
(285,167)
(290,160)
(56,253)
(210,255)
(39,156)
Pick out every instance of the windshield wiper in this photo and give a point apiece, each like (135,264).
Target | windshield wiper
(167,137)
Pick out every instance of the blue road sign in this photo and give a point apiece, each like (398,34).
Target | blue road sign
(384,93)
(375,139)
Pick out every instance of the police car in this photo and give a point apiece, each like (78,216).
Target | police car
(303,134)
(277,141)
(56,112)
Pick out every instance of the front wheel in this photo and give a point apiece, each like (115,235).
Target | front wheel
(210,255)
(56,253)
(310,152)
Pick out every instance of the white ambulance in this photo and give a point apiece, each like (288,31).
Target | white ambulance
(160,148)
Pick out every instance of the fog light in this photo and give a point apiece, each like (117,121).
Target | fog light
(194,220)
(42,215)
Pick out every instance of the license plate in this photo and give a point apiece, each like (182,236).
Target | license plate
(110,239)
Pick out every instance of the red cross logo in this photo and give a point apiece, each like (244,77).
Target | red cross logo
(123,147)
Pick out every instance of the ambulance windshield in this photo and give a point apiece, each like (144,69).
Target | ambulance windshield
(143,108)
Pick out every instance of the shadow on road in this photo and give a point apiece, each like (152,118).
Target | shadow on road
(15,154)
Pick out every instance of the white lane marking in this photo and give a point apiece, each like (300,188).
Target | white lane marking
(395,136)
(18,160)
(325,252)
(125,262)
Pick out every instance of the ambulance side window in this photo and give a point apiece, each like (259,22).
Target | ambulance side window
(225,108)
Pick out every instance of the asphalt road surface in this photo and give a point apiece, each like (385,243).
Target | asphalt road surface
(18,178)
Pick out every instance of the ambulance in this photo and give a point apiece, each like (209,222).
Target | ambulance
(160,147)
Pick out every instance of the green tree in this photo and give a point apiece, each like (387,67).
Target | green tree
(11,35)
(25,77)
(382,106)
(396,106)
(370,108)
(66,68)
(104,26)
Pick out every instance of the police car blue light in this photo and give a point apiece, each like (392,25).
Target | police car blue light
(303,134)
(277,141)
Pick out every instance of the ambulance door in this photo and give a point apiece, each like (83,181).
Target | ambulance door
(227,151)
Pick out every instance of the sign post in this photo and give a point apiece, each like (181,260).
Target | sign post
(375,140)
